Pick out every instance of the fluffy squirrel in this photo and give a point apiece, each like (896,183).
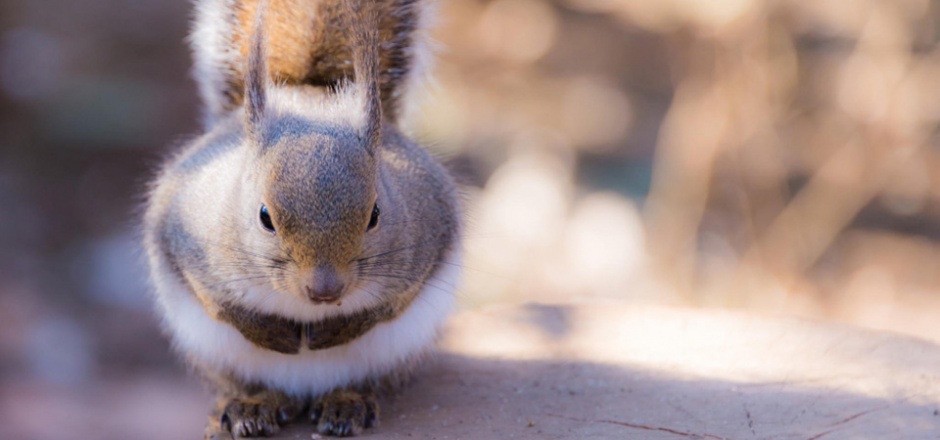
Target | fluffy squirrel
(303,249)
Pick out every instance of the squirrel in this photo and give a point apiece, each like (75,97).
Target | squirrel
(304,251)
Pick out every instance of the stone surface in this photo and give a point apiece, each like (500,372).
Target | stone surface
(616,371)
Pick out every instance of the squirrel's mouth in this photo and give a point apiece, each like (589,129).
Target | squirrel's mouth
(336,300)
(325,284)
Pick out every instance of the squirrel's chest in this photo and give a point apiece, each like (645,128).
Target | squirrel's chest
(288,336)
(220,346)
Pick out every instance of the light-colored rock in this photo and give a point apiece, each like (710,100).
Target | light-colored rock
(617,371)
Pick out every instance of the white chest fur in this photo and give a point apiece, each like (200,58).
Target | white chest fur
(220,346)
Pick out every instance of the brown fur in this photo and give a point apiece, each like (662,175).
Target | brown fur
(286,336)
(269,331)
(308,45)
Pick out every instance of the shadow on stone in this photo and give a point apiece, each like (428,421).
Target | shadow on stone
(468,398)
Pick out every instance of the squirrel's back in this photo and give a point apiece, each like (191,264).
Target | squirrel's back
(306,45)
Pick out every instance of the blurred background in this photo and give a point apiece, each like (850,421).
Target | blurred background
(780,157)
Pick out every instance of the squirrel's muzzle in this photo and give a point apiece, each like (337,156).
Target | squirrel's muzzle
(326,286)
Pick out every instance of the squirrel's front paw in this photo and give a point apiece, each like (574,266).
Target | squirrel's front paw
(254,417)
(344,413)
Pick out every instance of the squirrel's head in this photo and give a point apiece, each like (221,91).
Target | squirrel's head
(311,191)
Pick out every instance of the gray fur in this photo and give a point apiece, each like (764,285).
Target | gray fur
(318,160)
(256,78)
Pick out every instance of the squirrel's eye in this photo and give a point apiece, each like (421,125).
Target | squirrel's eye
(374,220)
(266,219)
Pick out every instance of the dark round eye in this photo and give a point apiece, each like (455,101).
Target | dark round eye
(374,220)
(265,217)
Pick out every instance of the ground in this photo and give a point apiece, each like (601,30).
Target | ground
(613,371)
(576,372)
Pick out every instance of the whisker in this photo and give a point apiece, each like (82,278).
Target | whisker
(397,250)
(372,277)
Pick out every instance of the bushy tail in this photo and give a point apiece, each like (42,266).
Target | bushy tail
(307,43)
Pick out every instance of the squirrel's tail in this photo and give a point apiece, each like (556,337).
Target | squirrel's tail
(307,43)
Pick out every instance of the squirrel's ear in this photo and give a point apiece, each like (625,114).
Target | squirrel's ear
(256,79)
(363,24)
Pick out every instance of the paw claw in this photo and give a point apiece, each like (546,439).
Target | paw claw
(344,413)
(258,416)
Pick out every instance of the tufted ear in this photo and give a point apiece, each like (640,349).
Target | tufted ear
(256,79)
(363,25)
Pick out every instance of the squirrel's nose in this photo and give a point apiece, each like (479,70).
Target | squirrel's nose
(327,286)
